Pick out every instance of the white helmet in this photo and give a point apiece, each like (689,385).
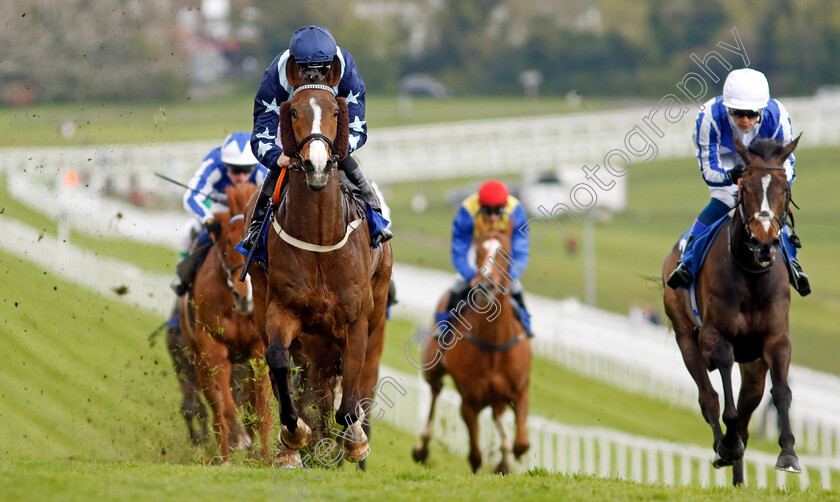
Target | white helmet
(236,150)
(746,89)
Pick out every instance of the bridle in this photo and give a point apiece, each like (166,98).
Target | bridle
(225,269)
(332,163)
(777,222)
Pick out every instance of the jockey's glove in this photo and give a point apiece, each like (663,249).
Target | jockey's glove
(735,174)
(214,228)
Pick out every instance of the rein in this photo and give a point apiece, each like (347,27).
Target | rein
(492,347)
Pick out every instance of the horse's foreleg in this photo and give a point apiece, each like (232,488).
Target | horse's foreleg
(752,390)
(435,378)
(731,447)
(281,329)
(506,447)
(470,415)
(355,444)
(213,373)
(707,396)
(520,408)
(260,396)
(777,356)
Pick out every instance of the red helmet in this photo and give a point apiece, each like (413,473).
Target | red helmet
(493,193)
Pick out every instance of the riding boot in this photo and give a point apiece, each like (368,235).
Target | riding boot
(261,209)
(392,293)
(357,177)
(188,267)
(680,277)
(522,311)
(798,279)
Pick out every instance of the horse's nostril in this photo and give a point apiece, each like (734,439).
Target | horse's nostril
(753,242)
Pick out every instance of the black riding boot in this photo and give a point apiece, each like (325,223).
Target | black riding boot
(261,209)
(392,293)
(458,293)
(798,278)
(357,177)
(188,267)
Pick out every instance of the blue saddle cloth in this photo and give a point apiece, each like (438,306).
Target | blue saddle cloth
(375,221)
(696,250)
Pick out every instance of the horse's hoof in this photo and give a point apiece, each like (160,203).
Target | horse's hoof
(502,468)
(730,454)
(519,449)
(420,453)
(297,440)
(719,462)
(287,458)
(788,463)
(242,442)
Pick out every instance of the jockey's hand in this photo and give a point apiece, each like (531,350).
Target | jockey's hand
(283,160)
(735,174)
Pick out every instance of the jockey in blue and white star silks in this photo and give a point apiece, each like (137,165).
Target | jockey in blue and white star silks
(315,51)
(744,110)
(232,163)
(499,210)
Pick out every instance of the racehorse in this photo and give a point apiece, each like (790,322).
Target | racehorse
(323,279)
(223,332)
(192,408)
(491,366)
(743,299)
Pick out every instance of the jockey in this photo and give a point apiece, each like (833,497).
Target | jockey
(745,110)
(314,49)
(232,163)
(497,210)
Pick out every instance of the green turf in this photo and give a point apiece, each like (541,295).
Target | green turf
(74,480)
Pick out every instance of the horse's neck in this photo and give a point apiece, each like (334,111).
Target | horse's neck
(498,329)
(318,215)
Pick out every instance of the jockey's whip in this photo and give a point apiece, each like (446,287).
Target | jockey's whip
(190,188)
(154,333)
(256,244)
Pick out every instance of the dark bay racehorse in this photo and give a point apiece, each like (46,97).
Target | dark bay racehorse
(743,296)
(491,365)
(224,332)
(323,278)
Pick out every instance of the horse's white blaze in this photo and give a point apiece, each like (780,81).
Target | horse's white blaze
(317,149)
(492,246)
(765,214)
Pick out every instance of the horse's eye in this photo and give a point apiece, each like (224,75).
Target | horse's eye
(294,113)
(335,113)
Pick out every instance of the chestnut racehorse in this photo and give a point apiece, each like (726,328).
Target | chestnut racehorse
(743,299)
(491,365)
(323,278)
(224,332)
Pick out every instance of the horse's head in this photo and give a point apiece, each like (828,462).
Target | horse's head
(233,228)
(764,194)
(314,126)
(492,266)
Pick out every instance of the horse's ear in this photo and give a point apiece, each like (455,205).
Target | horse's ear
(789,148)
(287,133)
(293,75)
(342,131)
(742,150)
(333,76)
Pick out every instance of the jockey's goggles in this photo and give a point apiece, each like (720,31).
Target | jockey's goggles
(232,169)
(321,67)
(739,114)
(492,210)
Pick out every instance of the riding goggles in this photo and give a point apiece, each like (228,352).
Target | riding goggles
(739,114)
(492,210)
(322,67)
(232,169)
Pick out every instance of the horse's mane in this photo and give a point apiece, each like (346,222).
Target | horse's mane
(766,148)
(238,196)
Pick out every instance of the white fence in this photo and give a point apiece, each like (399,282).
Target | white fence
(555,447)
(469,148)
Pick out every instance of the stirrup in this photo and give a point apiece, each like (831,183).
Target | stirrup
(383,236)
(680,277)
(179,287)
